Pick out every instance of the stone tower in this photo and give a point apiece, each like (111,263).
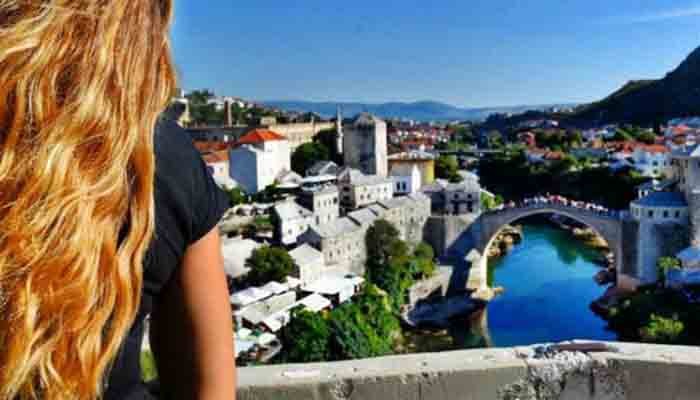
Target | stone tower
(339,131)
(365,145)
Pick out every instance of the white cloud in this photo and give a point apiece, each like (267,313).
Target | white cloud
(663,15)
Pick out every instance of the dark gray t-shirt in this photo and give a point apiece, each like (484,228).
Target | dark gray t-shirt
(188,205)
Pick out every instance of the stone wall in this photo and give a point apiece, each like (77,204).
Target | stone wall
(301,133)
(630,231)
(450,234)
(625,372)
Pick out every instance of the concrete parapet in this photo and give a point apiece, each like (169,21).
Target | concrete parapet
(624,371)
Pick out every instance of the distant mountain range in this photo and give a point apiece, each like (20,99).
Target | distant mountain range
(649,102)
(419,111)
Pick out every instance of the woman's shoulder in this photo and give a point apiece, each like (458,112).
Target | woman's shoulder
(173,143)
(185,189)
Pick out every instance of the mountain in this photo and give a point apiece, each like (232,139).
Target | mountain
(650,102)
(421,110)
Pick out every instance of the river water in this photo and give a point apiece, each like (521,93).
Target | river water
(548,282)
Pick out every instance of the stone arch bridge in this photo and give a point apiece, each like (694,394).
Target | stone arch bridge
(489,224)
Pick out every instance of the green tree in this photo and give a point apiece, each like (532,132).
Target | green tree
(446,167)
(269,264)
(665,264)
(647,137)
(423,264)
(237,196)
(328,138)
(383,243)
(307,155)
(489,202)
(351,335)
(306,338)
(662,330)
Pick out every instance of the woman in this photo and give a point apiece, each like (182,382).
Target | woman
(102,221)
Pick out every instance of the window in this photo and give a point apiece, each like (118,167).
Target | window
(651,214)
(665,213)
(678,214)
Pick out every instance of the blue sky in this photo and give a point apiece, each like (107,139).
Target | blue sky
(471,53)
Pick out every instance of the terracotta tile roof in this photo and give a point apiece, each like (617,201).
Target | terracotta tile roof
(210,147)
(215,157)
(259,136)
(653,148)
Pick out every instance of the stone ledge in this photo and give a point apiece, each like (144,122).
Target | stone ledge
(633,371)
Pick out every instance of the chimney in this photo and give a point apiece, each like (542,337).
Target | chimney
(228,118)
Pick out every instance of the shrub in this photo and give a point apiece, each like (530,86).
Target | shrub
(662,330)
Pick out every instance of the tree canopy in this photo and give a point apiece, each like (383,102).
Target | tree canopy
(269,264)
(306,155)
(447,167)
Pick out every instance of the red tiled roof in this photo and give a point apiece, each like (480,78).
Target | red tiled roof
(259,136)
(653,148)
(210,147)
(215,157)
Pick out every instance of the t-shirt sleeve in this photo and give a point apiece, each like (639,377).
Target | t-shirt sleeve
(209,202)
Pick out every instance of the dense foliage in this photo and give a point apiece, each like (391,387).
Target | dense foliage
(511,175)
(658,315)
(306,337)
(237,196)
(446,167)
(558,139)
(489,202)
(365,327)
(328,139)
(665,264)
(368,326)
(306,155)
(269,264)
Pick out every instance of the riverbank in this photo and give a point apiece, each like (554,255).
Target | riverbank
(503,243)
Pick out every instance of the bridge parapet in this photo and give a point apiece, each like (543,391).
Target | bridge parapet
(626,371)
(610,214)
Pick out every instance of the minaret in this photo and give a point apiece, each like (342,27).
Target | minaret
(228,117)
(339,131)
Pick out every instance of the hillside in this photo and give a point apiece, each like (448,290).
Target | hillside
(421,110)
(649,102)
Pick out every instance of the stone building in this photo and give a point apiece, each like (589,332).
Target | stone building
(258,159)
(406,183)
(403,164)
(321,168)
(342,241)
(360,190)
(290,220)
(300,133)
(365,145)
(408,214)
(323,201)
(462,198)
(309,262)
(652,213)
(313,207)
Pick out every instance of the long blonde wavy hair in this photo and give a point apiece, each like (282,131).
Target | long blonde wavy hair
(82,83)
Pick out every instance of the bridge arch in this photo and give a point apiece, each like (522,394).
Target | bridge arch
(609,227)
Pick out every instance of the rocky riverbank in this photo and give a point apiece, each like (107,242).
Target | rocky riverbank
(586,235)
(508,237)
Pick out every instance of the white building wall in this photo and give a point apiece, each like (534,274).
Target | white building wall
(243,168)
(256,167)
(652,164)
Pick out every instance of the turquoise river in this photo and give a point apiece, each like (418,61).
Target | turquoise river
(548,283)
